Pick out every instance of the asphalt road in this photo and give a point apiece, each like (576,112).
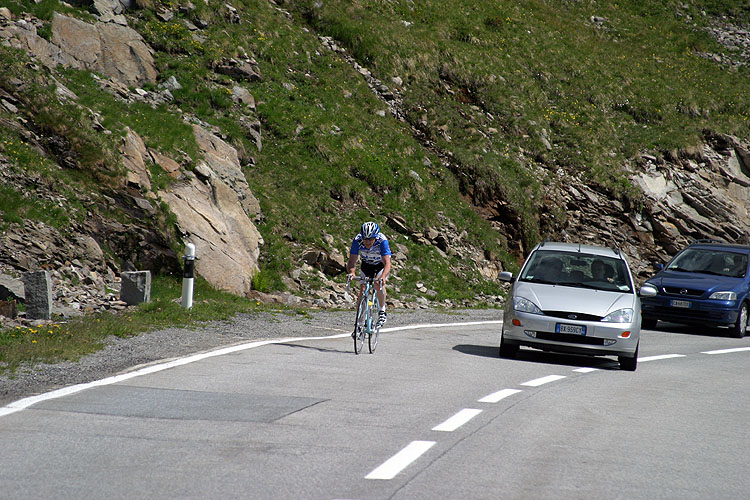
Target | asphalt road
(433,414)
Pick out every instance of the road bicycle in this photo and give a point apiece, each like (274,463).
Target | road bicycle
(366,321)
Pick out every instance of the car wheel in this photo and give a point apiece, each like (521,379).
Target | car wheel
(629,364)
(507,350)
(648,323)
(739,328)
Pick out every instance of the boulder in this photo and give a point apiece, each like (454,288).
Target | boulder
(223,160)
(116,51)
(227,243)
(23,35)
(11,288)
(134,157)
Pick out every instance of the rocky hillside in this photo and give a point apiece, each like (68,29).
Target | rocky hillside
(264,132)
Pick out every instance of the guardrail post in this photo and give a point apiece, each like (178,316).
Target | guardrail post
(188,276)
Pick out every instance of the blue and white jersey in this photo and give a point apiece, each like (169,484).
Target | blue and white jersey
(374,254)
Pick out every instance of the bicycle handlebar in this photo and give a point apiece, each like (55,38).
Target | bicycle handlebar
(363,280)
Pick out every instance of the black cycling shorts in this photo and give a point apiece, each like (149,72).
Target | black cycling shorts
(372,270)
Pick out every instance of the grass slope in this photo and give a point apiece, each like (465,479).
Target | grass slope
(503,94)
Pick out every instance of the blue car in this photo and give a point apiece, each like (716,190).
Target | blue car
(706,284)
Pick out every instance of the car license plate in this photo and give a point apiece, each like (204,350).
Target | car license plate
(685,304)
(572,329)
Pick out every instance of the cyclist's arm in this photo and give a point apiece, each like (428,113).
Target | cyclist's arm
(351,263)
(386,267)
(353,256)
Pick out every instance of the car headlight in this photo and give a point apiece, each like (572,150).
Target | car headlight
(619,316)
(525,305)
(723,296)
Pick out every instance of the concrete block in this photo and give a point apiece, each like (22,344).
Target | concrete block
(38,290)
(136,287)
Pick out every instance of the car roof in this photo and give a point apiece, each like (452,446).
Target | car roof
(579,247)
(720,245)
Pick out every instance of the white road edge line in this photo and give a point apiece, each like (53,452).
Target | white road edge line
(727,351)
(586,370)
(658,358)
(544,380)
(398,462)
(22,404)
(457,420)
(499,395)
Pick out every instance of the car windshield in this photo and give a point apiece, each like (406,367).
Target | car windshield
(577,269)
(710,261)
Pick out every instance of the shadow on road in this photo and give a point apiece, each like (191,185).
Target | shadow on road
(320,349)
(547,358)
(701,331)
(484,351)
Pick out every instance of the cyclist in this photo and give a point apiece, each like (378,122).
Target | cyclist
(373,247)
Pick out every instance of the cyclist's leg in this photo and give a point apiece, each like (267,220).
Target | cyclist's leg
(380,290)
(372,339)
(362,276)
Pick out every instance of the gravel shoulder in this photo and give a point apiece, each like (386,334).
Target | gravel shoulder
(123,355)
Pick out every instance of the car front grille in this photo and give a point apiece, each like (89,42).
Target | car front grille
(568,314)
(677,314)
(683,292)
(573,339)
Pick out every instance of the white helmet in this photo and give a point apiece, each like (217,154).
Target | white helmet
(369,230)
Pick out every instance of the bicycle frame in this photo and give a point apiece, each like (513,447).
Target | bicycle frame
(365,323)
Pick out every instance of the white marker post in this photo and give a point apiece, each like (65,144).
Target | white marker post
(188,276)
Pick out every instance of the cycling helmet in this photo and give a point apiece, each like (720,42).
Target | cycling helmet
(369,230)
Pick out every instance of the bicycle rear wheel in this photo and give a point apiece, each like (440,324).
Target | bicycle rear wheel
(372,339)
(360,326)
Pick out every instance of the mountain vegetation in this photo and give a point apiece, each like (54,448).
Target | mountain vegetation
(458,125)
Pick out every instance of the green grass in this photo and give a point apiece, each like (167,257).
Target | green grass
(486,83)
(69,340)
(15,208)
(77,148)
(519,71)
(523,67)
(44,9)
(163,129)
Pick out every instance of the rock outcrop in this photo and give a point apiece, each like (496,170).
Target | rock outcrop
(213,204)
(690,195)
(701,193)
(109,48)
(214,207)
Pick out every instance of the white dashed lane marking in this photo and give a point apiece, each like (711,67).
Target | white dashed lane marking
(415,449)
(659,358)
(457,420)
(499,395)
(544,380)
(398,462)
(585,370)
(727,351)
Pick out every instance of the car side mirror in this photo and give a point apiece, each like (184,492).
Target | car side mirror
(505,276)
(648,291)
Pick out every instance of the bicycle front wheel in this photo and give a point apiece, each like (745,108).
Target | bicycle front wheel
(372,339)
(360,326)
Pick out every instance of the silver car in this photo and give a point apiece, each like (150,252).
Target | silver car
(573,298)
